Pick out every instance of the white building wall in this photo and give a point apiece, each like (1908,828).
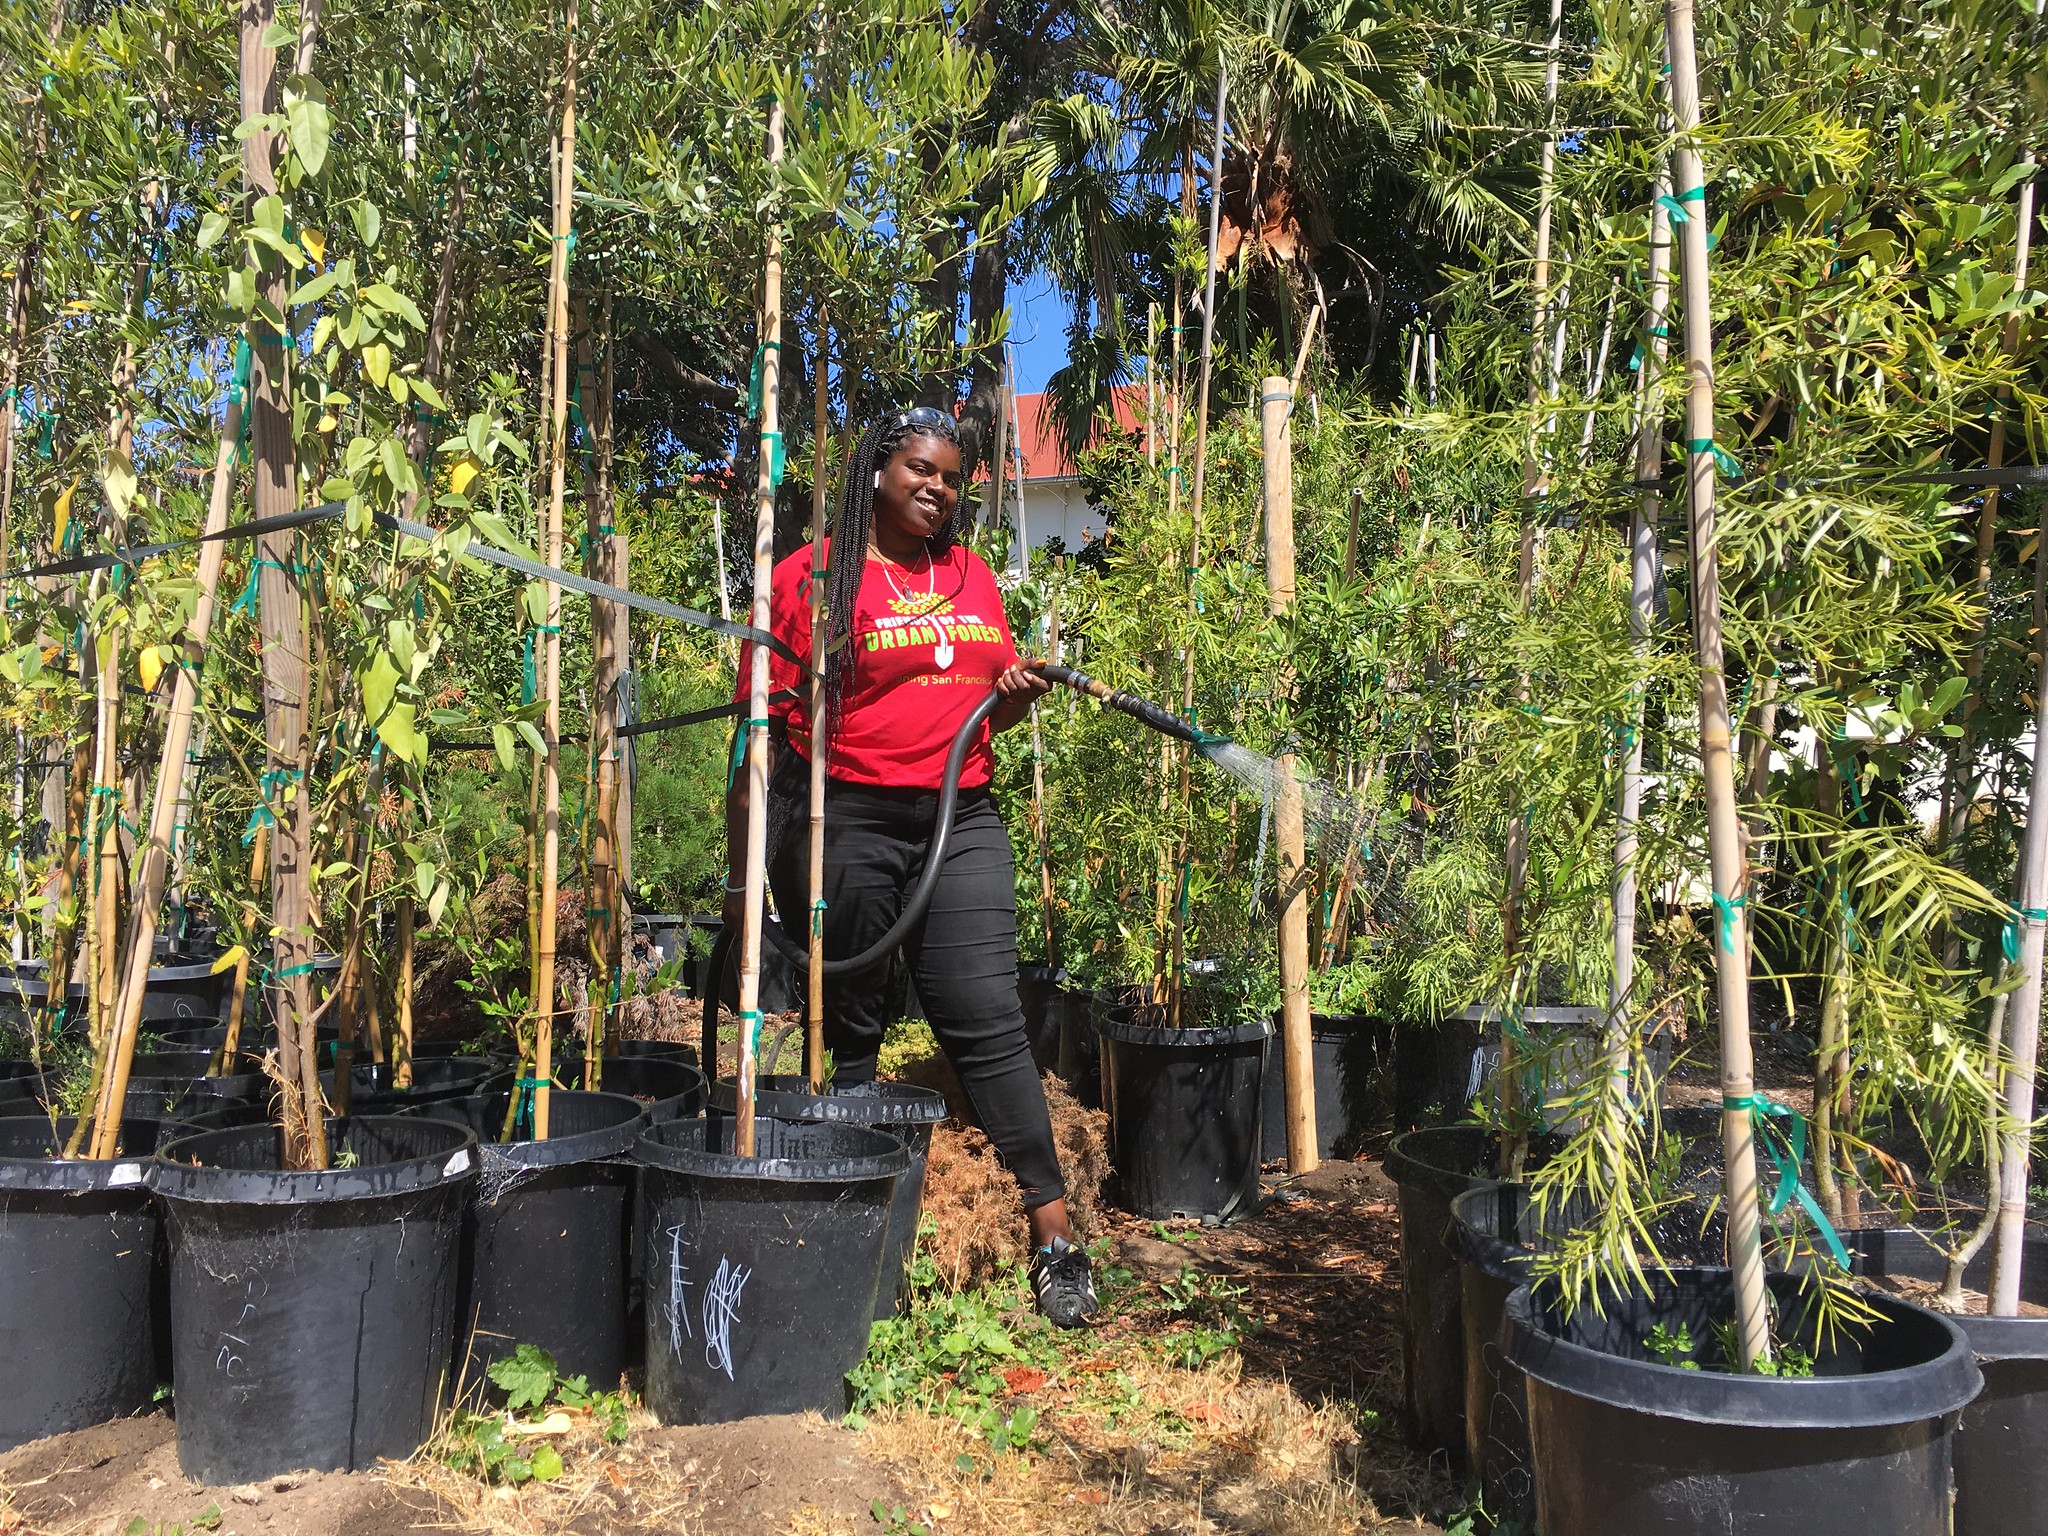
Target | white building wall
(1058,509)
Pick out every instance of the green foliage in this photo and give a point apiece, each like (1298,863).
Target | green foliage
(491,1445)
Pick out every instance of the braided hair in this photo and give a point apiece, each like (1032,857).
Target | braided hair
(877,446)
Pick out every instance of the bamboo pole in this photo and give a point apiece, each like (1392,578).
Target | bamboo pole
(1535,486)
(2024,1016)
(821,422)
(1297,1039)
(1724,832)
(551,650)
(757,689)
(605,919)
(1642,598)
(1178,872)
(153,860)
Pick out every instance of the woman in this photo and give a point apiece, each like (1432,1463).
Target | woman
(917,637)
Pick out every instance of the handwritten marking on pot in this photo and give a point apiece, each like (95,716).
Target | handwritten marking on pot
(678,1303)
(721,1308)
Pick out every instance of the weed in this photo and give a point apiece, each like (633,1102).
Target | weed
(1209,1304)
(1167,1234)
(207,1519)
(1672,1347)
(894,1522)
(491,1446)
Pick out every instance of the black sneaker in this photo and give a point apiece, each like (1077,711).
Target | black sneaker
(1063,1283)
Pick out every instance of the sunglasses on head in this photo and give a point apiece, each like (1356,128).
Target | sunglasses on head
(928,417)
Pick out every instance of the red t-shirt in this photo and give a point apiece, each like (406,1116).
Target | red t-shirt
(926,647)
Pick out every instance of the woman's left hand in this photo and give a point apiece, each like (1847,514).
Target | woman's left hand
(1019,684)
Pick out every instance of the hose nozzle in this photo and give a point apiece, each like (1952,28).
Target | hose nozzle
(1144,711)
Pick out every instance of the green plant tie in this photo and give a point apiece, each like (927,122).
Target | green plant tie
(754,374)
(529,682)
(522,1121)
(2009,937)
(1675,206)
(1724,907)
(303,968)
(246,603)
(818,918)
(273,780)
(1789,1154)
(750,1022)
(1723,459)
(772,441)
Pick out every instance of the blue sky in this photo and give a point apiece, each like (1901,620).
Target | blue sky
(1038,330)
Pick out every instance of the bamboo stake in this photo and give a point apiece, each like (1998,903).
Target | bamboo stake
(1724,832)
(1535,486)
(1642,599)
(757,693)
(401,1040)
(2024,1016)
(605,921)
(1297,1039)
(1177,921)
(551,665)
(153,862)
(821,422)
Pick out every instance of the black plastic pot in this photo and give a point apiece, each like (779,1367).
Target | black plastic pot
(2001,1448)
(1627,1445)
(174,1083)
(1184,1116)
(903,1109)
(544,1241)
(658,1050)
(1350,1076)
(1431,1168)
(209,1037)
(1042,993)
(79,1313)
(761,1271)
(433,1080)
(312,1313)
(667,1089)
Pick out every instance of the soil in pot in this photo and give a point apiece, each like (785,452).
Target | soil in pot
(1353,1065)
(2001,1470)
(1627,1444)
(544,1241)
(903,1109)
(312,1313)
(761,1271)
(1184,1116)
(80,1313)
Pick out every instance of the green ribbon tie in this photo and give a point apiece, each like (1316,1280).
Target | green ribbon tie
(2009,938)
(772,441)
(750,1021)
(303,968)
(754,375)
(1723,459)
(273,779)
(1675,206)
(1789,1157)
(1724,907)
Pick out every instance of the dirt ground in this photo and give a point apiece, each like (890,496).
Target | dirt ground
(1291,1433)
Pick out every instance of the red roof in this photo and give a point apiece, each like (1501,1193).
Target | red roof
(1045,458)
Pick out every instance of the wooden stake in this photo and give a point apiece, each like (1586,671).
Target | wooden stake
(821,421)
(1724,832)
(757,691)
(1642,599)
(551,665)
(1297,1036)
(154,857)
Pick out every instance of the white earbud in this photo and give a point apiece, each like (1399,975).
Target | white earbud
(878,479)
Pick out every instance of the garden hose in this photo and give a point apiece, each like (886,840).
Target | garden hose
(920,899)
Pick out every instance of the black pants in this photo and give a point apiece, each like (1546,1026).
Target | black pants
(962,956)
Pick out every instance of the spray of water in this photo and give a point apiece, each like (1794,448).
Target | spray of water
(1330,816)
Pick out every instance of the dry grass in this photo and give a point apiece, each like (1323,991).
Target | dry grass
(1197,1452)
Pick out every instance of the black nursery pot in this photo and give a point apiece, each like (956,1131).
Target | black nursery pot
(1043,995)
(174,1083)
(2001,1448)
(1184,1115)
(544,1241)
(433,1080)
(312,1313)
(657,1050)
(761,1271)
(78,1249)
(1430,1169)
(1348,1051)
(667,1089)
(903,1109)
(1627,1445)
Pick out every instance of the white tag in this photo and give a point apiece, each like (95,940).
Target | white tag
(459,1163)
(124,1174)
